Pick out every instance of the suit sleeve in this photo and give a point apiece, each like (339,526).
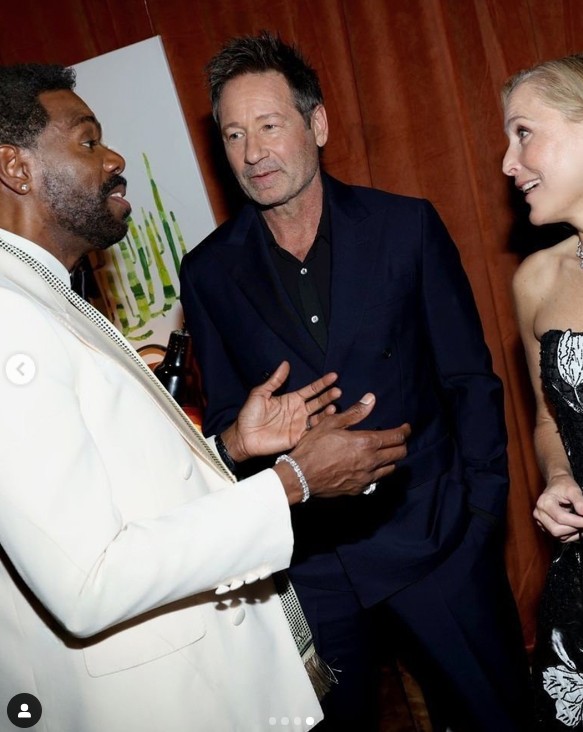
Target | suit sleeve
(93,546)
(472,392)
(223,387)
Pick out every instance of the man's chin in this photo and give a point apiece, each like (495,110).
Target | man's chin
(105,242)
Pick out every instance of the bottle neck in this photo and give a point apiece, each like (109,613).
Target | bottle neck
(178,350)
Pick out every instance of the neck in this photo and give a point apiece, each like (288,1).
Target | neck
(67,247)
(294,224)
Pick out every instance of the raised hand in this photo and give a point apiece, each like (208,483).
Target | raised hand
(269,424)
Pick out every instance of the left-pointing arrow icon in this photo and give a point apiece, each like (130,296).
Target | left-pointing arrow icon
(20,369)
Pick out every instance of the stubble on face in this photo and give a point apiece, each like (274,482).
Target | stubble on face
(84,213)
(277,157)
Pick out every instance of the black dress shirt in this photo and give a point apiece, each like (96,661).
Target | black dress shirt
(308,283)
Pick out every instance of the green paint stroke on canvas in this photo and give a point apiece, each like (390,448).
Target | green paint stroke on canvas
(139,286)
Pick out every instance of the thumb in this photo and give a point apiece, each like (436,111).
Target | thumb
(358,411)
(276,379)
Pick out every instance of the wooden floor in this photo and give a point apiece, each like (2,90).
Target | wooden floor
(402,702)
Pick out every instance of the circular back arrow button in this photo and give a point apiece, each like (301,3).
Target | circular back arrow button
(20,369)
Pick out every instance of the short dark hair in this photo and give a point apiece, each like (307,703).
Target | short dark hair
(22,116)
(258,54)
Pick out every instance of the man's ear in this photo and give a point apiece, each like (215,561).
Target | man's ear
(14,169)
(320,125)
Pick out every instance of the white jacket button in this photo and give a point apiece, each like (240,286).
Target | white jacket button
(239,616)
(188,471)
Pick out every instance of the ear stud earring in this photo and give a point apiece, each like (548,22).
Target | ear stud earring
(24,187)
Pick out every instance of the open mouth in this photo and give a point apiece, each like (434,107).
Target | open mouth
(528,187)
(118,196)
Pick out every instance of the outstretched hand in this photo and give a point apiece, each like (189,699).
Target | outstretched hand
(269,424)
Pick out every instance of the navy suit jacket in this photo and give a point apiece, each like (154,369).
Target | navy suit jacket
(403,325)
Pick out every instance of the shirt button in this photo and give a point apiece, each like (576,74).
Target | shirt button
(303,270)
(314,318)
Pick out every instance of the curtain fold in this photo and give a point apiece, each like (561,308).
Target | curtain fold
(411,90)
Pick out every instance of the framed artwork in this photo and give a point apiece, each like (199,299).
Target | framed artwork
(132,94)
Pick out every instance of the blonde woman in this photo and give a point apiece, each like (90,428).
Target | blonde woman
(544,122)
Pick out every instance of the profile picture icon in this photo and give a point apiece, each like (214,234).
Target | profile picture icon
(24,710)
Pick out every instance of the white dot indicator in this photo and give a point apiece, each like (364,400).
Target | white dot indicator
(309,721)
(285,721)
(272,721)
(20,369)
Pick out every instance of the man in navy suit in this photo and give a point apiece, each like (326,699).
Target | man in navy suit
(367,284)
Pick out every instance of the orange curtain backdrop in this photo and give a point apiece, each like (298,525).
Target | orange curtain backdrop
(411,90)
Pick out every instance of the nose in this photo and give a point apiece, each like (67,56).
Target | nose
(254,150)
(509,163)
(113,162)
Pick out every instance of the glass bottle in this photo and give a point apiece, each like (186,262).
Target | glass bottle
(177,372)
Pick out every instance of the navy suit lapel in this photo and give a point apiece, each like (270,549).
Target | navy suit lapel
(257,277)
(356,236)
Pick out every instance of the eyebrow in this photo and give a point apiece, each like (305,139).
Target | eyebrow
(509,122)
(84,119)
(259,118)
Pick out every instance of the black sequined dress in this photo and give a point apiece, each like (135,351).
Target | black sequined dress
(558,662)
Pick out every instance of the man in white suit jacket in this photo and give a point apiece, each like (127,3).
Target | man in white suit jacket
(134,590)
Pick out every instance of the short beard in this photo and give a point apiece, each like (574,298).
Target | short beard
(83,213)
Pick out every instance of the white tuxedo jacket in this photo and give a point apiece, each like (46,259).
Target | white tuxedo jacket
(115,531)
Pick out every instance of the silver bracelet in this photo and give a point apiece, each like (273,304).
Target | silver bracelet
(298,471)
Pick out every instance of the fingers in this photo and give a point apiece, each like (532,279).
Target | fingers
(388,456)
(323,400)
(357,412)
(389,447)
(558,512)
(315,419)
(318,394)
(340,461)
(276,379)
(311,390)
(394,436)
